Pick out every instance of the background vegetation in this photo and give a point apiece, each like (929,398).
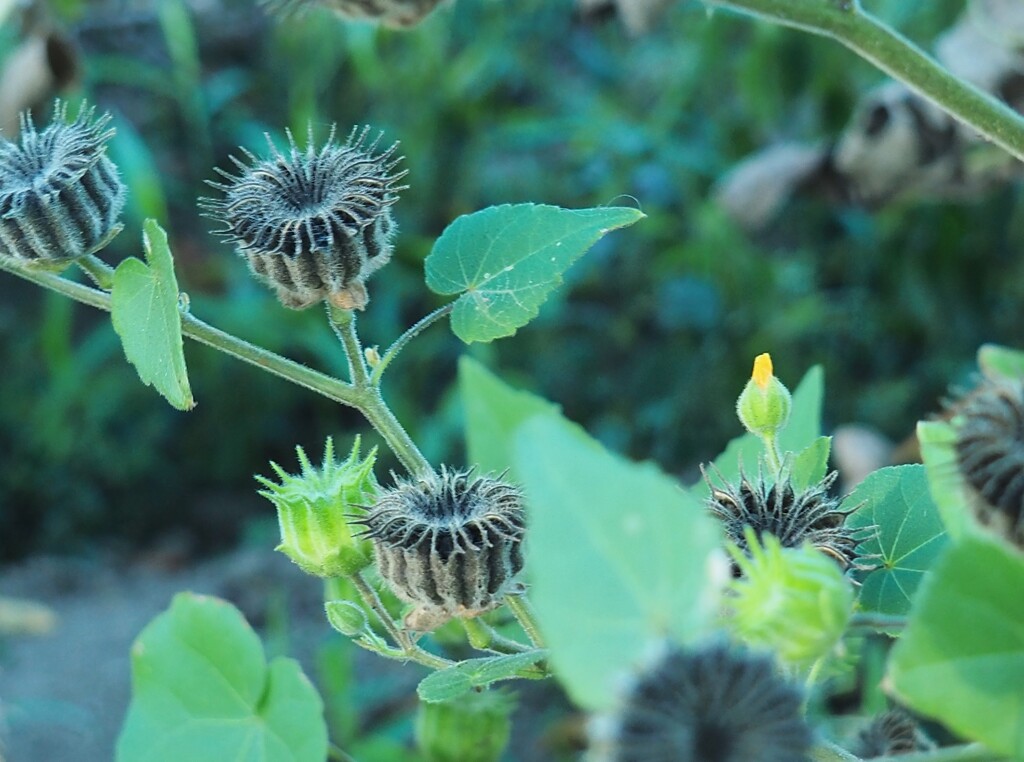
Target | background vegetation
(647,348)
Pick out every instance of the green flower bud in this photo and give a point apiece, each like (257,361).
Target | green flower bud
(474,727)
(764,404)
(794,601)
(315,507)
(347,618)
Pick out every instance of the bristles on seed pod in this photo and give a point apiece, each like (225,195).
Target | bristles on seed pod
(791,516)
(990,455)
(707,705)
(400,14)
(312,224)
(891,733)
(450,543)
(60,196)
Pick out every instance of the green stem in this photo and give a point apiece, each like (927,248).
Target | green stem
(520,606)
(772,454)
(344,324)
(829,752)
(483,637)
(372,405)
(863,33)
(336,754)
(875,621)
(405,338)
(101,273)
(974,752)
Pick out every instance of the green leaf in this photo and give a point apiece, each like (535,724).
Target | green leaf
(909,537)
(811,464)
(202,691)
(452,682)
(145,316)
(803,430)
(1001,363)
(506,260)
(493,412)
(618,558)
(961,658)
(938,450)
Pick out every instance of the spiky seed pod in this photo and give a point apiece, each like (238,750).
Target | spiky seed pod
(793,517)
(890,734)
(60,196)
(313,225)
(394,13)
(990,455)
(709,705)
(448,543)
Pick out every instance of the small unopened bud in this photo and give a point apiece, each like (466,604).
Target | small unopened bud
(764,404)
(315,507)
(794,601)
(474,727)
(347,618)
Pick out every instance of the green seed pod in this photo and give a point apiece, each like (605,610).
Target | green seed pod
(793,517)
(708,705)
(449,544)
(315,508)
(475,727)
(394,13)
(990,455)
(793,601)
(764,404)
(312,225)
(346,617)
(60,196)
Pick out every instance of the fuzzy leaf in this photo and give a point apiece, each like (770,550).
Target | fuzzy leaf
(145,315)
(202,691)
(938,450)
(910,535)
(618,558)
(811,464)
(452,682)
(506,260)
(961,658)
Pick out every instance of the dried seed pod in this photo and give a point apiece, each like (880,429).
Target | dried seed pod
(990,455)
(393,13)
(709,705)
(794,518)
(890,734)
(60,196)
(313,225)
(449,544)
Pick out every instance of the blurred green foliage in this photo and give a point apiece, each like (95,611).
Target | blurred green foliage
(492,105)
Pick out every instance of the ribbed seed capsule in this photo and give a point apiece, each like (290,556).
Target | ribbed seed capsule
(450,544)
(990,455)
(890,734)
(793,517)
(710,705)
(60,196)
(394,13)
(313,225)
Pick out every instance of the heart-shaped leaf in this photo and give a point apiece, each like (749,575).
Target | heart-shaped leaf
(619,557)
(506,260)
(202,691)
(961,658)
(909,535)
(145,315)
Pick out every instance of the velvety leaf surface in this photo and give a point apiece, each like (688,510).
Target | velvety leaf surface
(810,465)
(202,691)
(618,558)
(145,315)
(998,362)
(938,450)
(450,683)
(910,535)
(506,260)
(961,658)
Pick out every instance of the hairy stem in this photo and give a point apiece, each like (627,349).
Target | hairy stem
(343,322)
(520,606)
(483,637)
(405,338)
(876,621)
(845,22)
